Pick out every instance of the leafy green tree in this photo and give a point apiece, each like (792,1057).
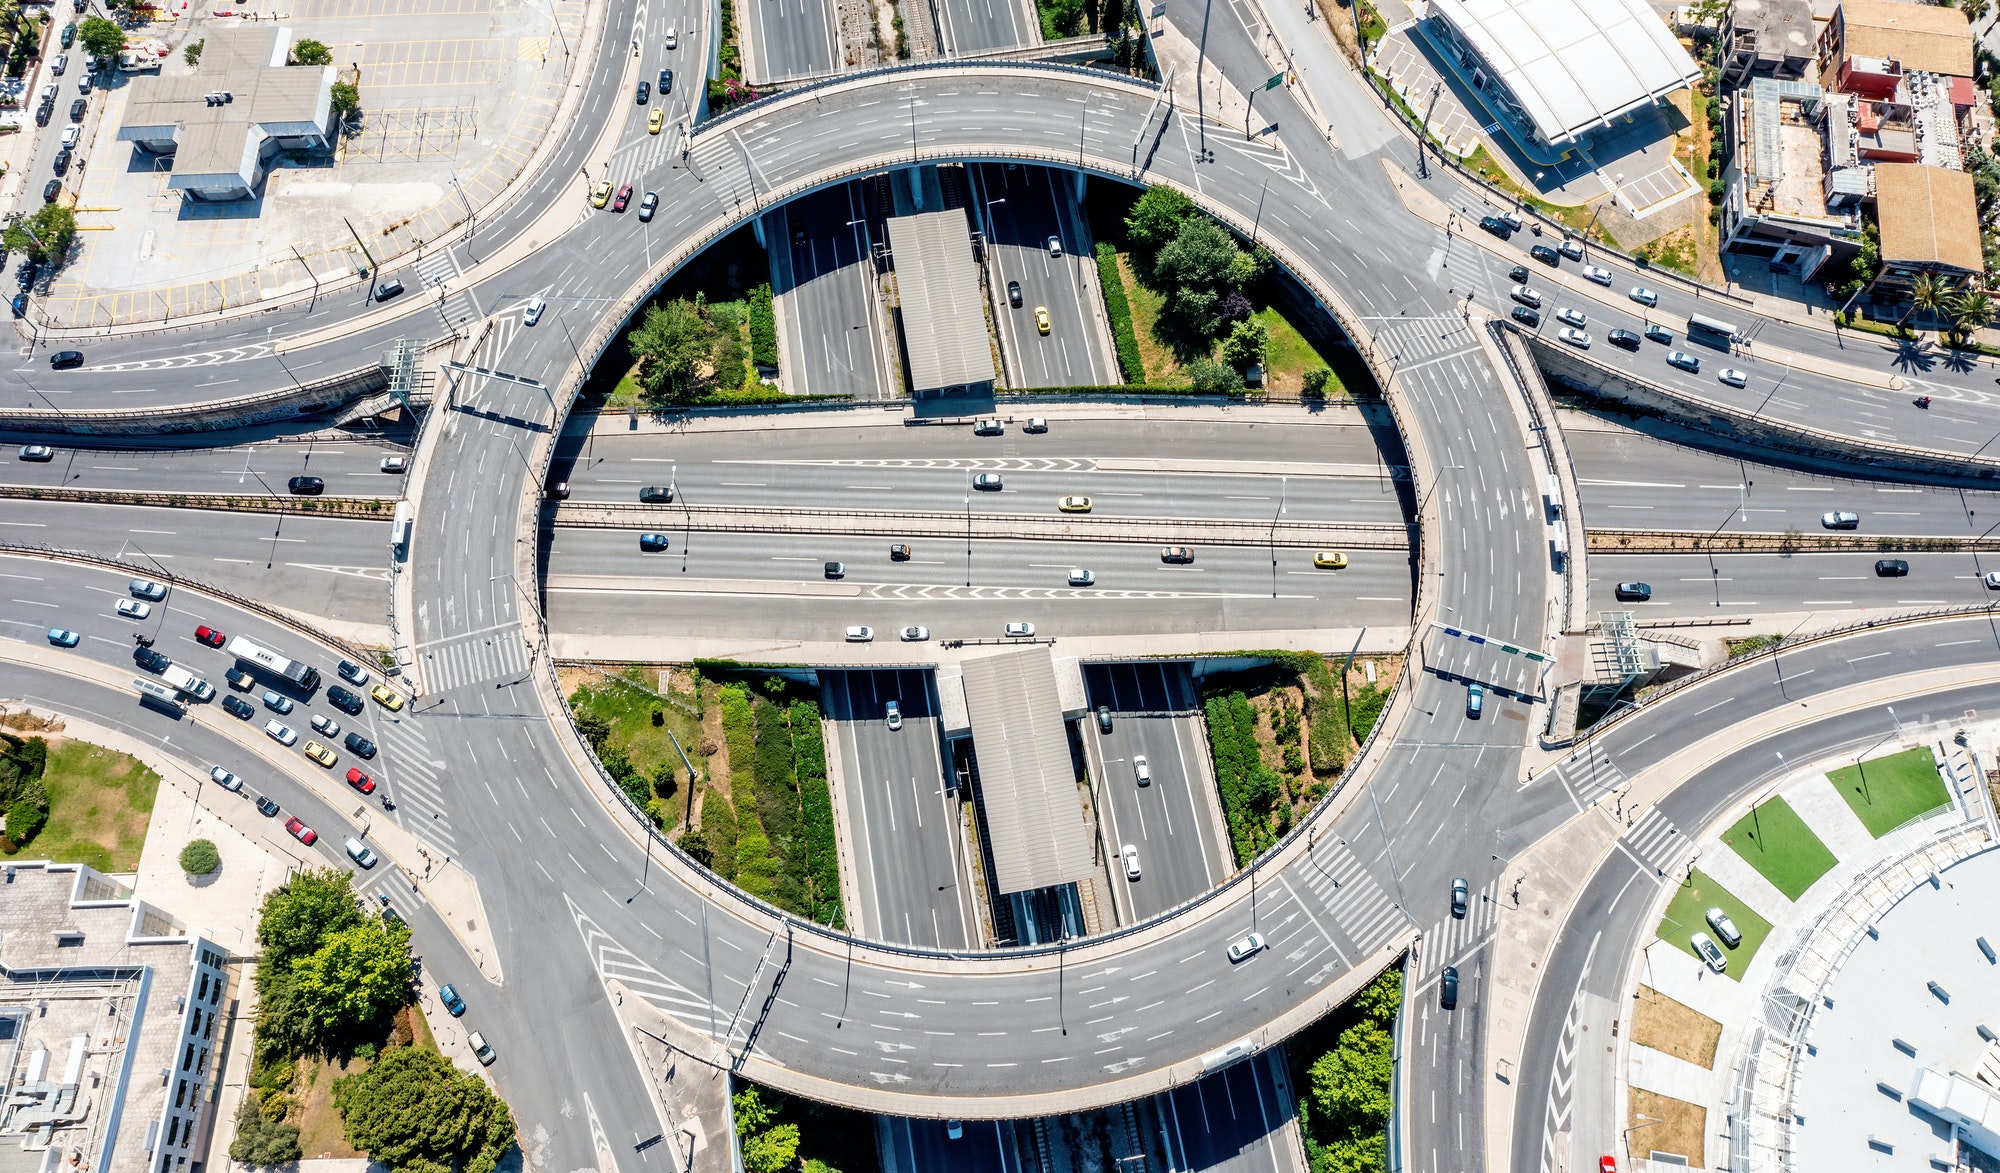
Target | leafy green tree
(46,235)
(1196,269)
(200,857)
(1382,999)
(1350,1084)
(416,1113)
(771,1151)
(671,345)
(1211,377)
(260,1141)
(1246,343)
(1156,217)
(191,52)
(100,37)
(346,99)
(594,729)
(300,913)
(358,975)
(311,52)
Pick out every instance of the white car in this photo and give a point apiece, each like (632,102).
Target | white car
(1643,295)
(1055,246)
(1684,360)
(1245,946)
(894,716)
(281,733)
(225,779)
(1082,578)
(146,588)
(987,482)
(1993,580)
(71,134)
(1019,630)
(1142,770)
(325,725)
(395,464)
(673,37)
(1732,376)
(916,634)
(860,634)
(1036,425)
(1131,856)
(360,853)
(1576,338)
(1573,316)
(1527,295)
(534,312)
(1599,275)
(1705,948)
(1840,519)
(134,609)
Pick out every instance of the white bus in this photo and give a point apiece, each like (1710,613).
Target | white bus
(303,675)
(399,531)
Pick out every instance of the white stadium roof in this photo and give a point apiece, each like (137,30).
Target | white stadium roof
(1573,64)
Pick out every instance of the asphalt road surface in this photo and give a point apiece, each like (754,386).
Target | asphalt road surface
(1697,586)
(1175,820)
(791,39)
(977,26)
(1021,206)
(349,468)
(909,866)
(824,283)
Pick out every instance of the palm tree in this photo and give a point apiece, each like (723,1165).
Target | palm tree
(1971,312)
(1927,293)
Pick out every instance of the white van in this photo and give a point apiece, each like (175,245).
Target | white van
(360,853)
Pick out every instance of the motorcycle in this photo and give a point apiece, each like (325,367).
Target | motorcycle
(1923,401)
(386,804)
(142,639)
(1535,228)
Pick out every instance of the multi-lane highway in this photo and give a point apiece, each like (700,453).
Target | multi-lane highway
(1022,209)
(791,39)
(823,277)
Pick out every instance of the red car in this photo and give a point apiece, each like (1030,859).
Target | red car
(301,832)
(1607,1165)
(623,197)
(210,636)
(360,781)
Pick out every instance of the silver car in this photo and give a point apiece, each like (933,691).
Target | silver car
(1643,296)
(1840,519)
(1724,927)
(1576,338)
(1705,948)
(916,634)
(1020,630)
(1573,316)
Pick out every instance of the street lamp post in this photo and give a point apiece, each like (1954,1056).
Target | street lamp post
(1861,767)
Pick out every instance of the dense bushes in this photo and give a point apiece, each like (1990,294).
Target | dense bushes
(1119,309)
(816,814)
(784,848)
(200,857)
(23,796)
(1249,789)
(412,1110)
(763,329)
(1344,1109)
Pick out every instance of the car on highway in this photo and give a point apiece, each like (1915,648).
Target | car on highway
(400,463)
(238,678)
(644,94)
(673,37)
(70,136)
(1496,226)
(147,588)
(63,637)
(954,1129)
(325,725)
(1527,317)
(1104,718)
(306,486)
(899,552)
(1684,360)
(1840,519)
(40,453)
(656,495)
(1081,577)
(1035,426)
(529,317)
(387,697)
(359,779)
(224,779)
(449,999)
(1545,255)
(558,490)
(1633,592)
(393,287)
(238,708)
(151,660)
(1014,294)
(1041,319)
(1993,580)
(267,806)
(666,82)
(601,194)
(1527,295)
(281,733)
(648,204)
(277,702)
(481,1049)
(836,570)
(1624,339)
(134,609)
(1724,927)
(62,160)
(84,84)
(1660,334)
(1733,377)
(1177,555)
(1892,568)
(1460,894)
(652,543)
(1142,770)
(342,699)
(1599,275)
(1475,700)
(1572,316)
(1020,629)
(860,634)
(987,482)
(1245,947)
(1705,948)
(1130,855)
(1055,246)
(205,634)
(1448,987)
(893,716)
(352,673)
(358,745)
(623,198)
(914,634)
(1643,295)
(1518,273)
(990,426)
(1074,504)
(1329,560)
(359,852)
(1512,219)
(69,34)
(301,832)
(1570,249)
(320,754)
(1607,1164)
(63,360)
(1576,338)
(78,109)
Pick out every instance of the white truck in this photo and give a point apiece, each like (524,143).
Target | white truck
(188,683)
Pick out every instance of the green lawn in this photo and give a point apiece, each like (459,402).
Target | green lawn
(100,801)
(1773,839)
(1887,792)
(1289,356)
(628,707)
(1686,916)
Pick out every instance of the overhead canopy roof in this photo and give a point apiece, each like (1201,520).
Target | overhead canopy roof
(1034,820)
(944,317)
(1573,64)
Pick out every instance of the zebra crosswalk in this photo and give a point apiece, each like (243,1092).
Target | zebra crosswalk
(1654,842)
(1451,939)
(613,961)
(1361,911)
(1406,341)
(438,268)
(1591,776)
(642,156)
(414,777)
(458,661)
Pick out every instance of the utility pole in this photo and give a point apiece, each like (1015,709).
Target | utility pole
(364,253)
(1424,134)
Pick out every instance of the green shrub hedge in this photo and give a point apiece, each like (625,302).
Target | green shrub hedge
(1120,311)
(1248,787)
(763,328)
(200,857)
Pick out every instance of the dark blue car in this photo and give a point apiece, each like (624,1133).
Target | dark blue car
(451,1000)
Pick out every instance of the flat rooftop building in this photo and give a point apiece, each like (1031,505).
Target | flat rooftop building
(1794,185)
(1928,218)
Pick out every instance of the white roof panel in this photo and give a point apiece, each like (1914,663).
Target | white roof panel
(1573,63)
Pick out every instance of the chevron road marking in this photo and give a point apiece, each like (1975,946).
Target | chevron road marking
(612,960)
(1562,1077)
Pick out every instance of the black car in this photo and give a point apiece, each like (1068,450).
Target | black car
(836,570)
(388,289)
(1496,226)
(62,360)
(1633,592)
(1526,316)
(1891,568)
(1518,274)
(1104,718)
(645,92)
(151,660)
(342,699)
(62,159)
(237,707)
(44,112)
(1624,338)
(306,486)
(360,745)
(25,275)
(51,190)
(652,543)
(69,34)
(1014,294)
(1448,987)
(666,82)
(266,806)
(1545,255)
(77,109)
(656,495)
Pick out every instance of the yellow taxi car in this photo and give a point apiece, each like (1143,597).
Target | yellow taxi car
(1330,560)
(601,195)
(1042,318)
(1074,505)
(387,697)
(320,753)
(655,121)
